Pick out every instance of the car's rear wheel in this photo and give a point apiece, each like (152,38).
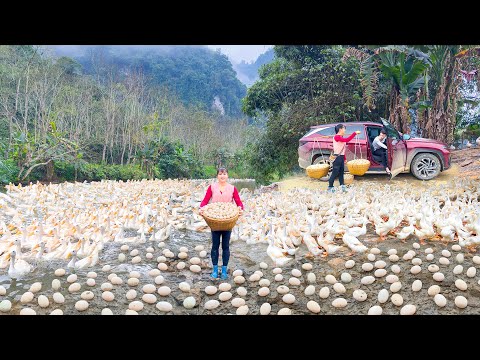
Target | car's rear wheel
(425,166)
(323,160)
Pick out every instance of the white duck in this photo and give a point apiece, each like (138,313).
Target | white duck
(353,243)
(18,268)
(71,264)
(312,245)
(276,254)
(358,231)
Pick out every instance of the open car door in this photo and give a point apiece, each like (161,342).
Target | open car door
(397,155)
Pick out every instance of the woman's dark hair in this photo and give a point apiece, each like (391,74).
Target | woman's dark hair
(338,127)
(383,131)
(222,169)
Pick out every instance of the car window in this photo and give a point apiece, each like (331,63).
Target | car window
(329,131)
(350,128)
(373,132)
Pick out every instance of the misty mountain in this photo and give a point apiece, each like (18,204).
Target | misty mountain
(248,72)
(197,74)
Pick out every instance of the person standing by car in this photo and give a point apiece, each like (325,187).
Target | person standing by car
(380,149)
(339,143)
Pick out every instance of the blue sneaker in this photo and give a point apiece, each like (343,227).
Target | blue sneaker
(343,187)
(224,275)
(214,272)
(330,189)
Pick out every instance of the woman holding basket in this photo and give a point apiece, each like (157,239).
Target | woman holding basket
(339,143)
(221,191)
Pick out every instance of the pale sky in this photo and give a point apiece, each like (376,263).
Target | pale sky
(237,53)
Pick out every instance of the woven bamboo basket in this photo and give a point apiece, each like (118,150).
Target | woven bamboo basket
(358,166)
(221,224)
(348,179)
(318,171)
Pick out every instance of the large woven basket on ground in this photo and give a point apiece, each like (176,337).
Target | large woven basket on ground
(348,179)
(358,166)
(317,171)
(221,225)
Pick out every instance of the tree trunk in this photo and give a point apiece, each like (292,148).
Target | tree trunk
(441,119)
(50,171)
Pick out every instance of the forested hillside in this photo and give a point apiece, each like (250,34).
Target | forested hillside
(196,74)
(248,72)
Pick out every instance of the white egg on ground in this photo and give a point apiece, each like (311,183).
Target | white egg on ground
(395,269)
(397,299)
(60,272)
(360,295)
(346,277)
(164,306)
(313,306)
(108,296)
(56,284)
(164,291)
(395,287)
(349,264)
(416,285)
(330,279)
(81,305)
(265,309)
(408,309)
(237,273)
(339,303)
(224,286)
(241,291)
(375,310)
(367,267)
(471,272)
(189,302)
(131,294)
(294,281)
(457,270)
(383,296)
(433,290)
(87,295)
(58,298)
(438,276)
(461,285)
(461,302)
(440,300)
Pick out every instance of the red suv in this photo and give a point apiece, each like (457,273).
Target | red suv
(424,158)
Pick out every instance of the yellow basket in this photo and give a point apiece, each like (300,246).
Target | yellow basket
(348,179)
(221,224)
(318,171)
(358,166)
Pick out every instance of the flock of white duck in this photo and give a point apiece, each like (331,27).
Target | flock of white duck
(73,221)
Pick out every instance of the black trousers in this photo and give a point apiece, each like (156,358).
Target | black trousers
(383,154)
(225,246)
(338,170)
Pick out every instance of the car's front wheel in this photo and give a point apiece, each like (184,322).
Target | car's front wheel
(425,166)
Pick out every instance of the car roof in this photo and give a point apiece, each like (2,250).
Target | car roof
(346,123)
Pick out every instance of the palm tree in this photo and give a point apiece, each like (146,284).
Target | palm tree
(405,68)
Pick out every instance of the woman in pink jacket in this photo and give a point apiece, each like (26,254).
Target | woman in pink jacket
(339,144)
(221,191)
